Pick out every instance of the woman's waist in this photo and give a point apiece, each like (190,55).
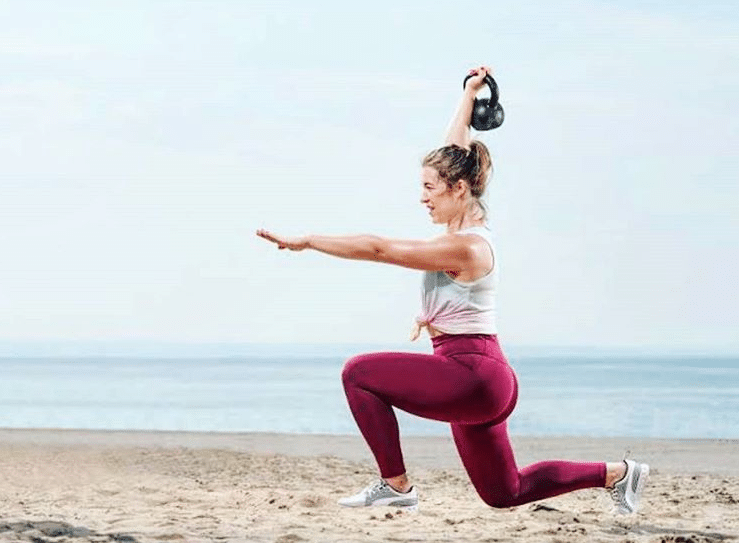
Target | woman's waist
(436,326)
(433,331)
(451,344)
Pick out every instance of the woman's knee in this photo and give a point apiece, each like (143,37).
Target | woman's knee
(352,370)
(500,495)
(364,370)
(498,500)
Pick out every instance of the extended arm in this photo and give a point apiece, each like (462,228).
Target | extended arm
(445,253)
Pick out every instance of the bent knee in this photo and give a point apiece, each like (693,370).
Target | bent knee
(351,371)
(496,504)
(362,369)
(499,500)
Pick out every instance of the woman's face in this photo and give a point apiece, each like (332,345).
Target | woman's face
(440,201)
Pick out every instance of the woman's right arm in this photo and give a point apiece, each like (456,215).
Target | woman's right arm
(458,132)
(444,253)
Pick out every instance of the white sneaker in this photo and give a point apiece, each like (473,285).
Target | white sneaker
(627,492)
(381,493)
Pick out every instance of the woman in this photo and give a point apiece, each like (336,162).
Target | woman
(467,381)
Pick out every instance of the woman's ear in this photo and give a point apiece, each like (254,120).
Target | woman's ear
(460,188)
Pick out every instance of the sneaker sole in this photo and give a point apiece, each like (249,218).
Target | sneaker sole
(406,508)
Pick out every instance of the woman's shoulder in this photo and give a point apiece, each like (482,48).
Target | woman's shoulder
(477,236)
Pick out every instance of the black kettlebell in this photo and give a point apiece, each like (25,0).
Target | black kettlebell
(487,113)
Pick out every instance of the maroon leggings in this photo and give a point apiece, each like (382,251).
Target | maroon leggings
(468,383)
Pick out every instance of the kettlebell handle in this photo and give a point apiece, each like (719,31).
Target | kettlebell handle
(492,85)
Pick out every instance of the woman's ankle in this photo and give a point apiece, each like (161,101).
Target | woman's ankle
(615,471)
(399,483)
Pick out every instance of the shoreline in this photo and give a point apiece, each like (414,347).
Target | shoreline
(672,455)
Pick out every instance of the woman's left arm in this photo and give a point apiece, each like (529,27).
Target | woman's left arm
(458,132)
(445,253)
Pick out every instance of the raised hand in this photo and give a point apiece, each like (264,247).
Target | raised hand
(476,82)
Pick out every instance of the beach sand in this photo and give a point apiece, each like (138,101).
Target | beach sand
(101,486)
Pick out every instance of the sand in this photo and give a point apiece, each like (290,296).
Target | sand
(96,486)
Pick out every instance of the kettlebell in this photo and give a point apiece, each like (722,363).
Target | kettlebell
(487,113)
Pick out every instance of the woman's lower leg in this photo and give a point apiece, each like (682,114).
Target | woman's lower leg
(488,458)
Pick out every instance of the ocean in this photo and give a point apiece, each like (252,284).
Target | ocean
(576,394)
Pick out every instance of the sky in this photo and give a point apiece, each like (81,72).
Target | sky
(143,143)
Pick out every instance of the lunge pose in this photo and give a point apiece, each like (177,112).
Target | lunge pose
(467,381)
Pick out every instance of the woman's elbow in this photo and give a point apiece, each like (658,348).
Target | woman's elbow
(377,249)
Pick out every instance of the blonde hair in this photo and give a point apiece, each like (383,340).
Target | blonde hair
(454,163)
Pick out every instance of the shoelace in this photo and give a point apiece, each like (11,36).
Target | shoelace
(376,488)
(616,496)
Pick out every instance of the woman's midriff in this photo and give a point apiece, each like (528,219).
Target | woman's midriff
(433,332)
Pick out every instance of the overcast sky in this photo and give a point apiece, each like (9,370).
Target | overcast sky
(143,142)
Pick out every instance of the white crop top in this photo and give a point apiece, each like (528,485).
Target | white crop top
(458,307)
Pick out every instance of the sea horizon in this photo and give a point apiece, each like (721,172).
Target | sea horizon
(586,394)
(206,349)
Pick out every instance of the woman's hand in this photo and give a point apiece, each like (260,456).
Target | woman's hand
(294,244)
(477,81)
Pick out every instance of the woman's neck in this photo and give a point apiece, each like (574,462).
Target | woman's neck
(464,221)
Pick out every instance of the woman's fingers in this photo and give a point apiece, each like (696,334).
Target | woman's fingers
(263,234)
(267,235)
(481,69)
(281,244)
(477,78)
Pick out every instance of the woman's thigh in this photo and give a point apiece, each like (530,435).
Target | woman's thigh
(461,389)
